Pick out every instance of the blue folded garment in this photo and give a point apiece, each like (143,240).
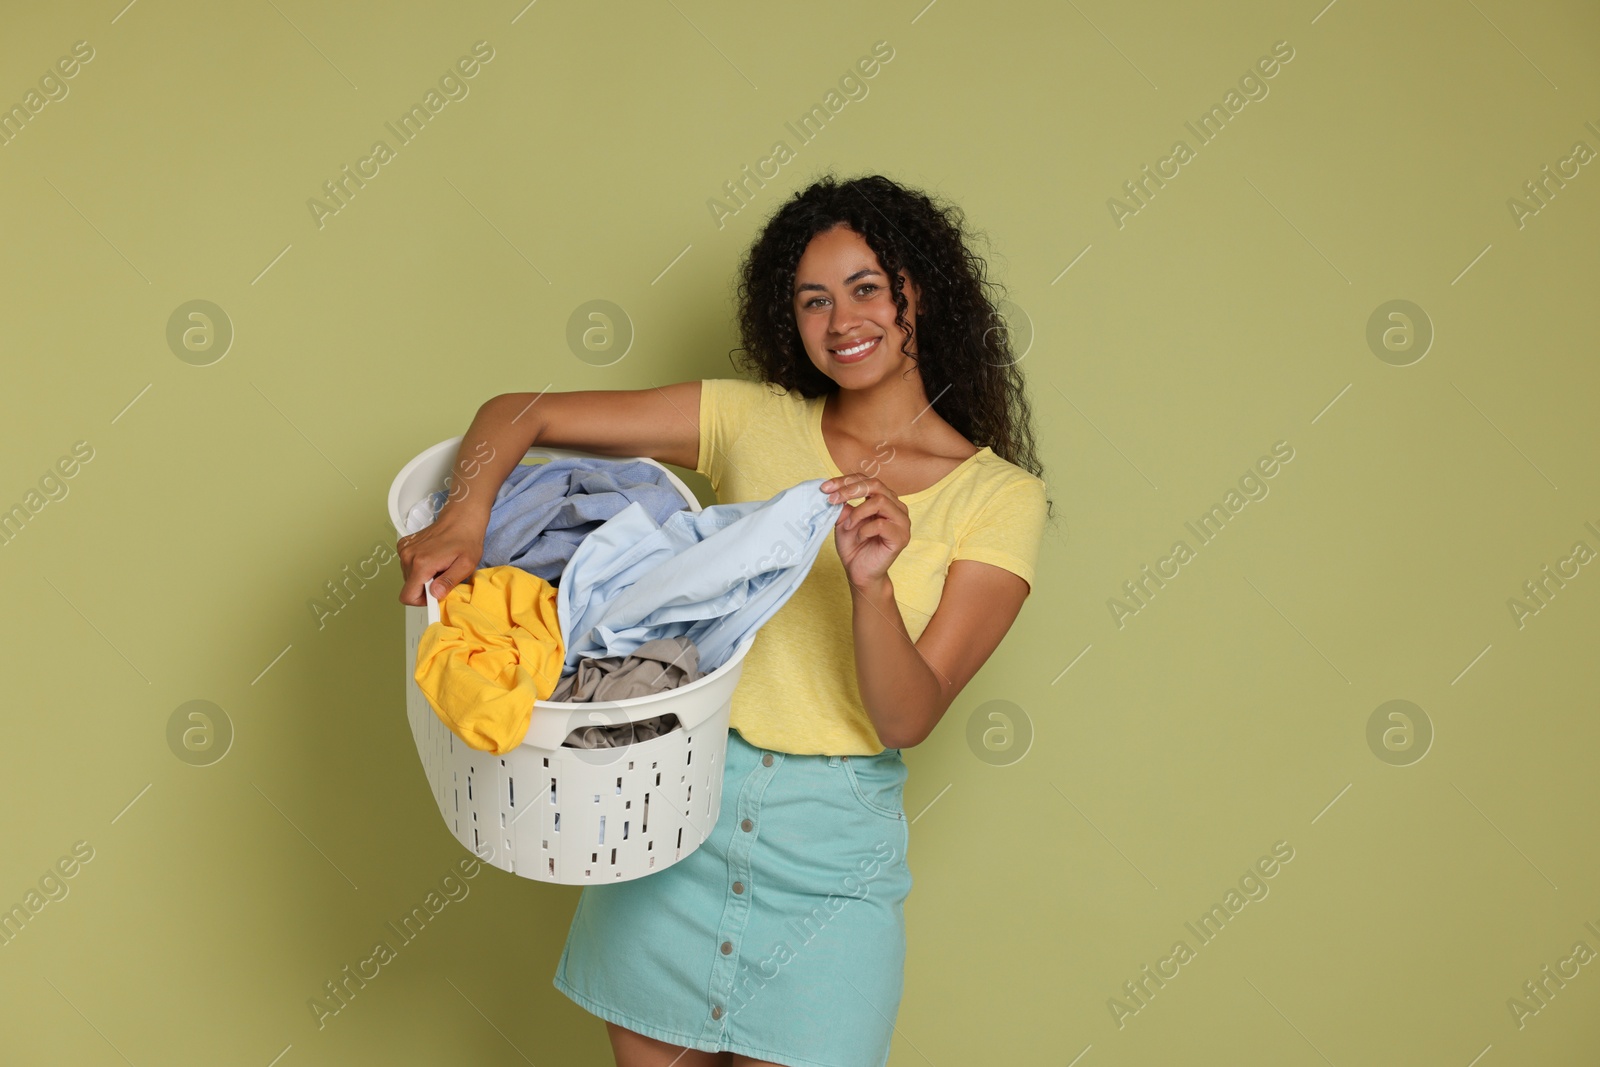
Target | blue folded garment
(543,510)
(713,576)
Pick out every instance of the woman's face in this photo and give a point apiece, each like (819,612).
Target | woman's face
(842,300)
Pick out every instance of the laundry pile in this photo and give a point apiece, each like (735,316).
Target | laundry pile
(621,734)
(544,509)
(664,663)
(598,583)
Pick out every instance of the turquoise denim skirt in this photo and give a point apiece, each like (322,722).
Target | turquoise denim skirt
(781,937)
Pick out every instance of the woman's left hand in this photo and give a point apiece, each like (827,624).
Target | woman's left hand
(868,535)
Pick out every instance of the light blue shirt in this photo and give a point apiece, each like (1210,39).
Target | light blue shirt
(542,511)
(713,576)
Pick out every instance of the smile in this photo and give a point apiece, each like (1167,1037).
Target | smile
(856,352)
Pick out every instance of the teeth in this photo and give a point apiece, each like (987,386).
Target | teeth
(863,346)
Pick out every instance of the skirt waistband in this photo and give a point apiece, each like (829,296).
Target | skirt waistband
(888,754)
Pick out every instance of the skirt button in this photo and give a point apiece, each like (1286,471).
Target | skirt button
(727,947)
(747,825)
(738,887)
(766,759)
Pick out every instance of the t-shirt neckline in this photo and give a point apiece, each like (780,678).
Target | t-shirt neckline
(821,444)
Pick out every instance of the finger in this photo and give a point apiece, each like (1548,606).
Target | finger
(856,514)
(425,567)
(872,487)
(853,487)
(418,574)
(454,575)
(408,546)
(884,528)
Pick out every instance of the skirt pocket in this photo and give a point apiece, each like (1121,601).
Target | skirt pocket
(878,784)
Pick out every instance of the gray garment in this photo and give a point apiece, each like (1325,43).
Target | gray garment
(624,734)
(657,665)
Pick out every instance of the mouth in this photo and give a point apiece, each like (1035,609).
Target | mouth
(856,352)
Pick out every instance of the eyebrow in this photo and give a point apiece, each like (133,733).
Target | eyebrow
(862,273)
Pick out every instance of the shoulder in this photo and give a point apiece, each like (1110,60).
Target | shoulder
(740,401)
(1003,517)
(743,405)
(993,495)
(743,389)
(998,481)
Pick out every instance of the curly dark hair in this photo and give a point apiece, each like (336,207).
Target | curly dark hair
(973,376)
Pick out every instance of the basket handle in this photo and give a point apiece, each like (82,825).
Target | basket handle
(433,603)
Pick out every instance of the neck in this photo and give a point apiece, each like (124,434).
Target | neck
(892,409)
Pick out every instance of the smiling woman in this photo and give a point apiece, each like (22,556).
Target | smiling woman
(881,372)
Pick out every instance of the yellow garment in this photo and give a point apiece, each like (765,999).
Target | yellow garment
(797,691)
(495,650)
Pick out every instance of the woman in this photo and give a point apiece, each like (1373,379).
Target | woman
(881,365)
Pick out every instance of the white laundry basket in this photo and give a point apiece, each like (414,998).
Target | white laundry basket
(574,816)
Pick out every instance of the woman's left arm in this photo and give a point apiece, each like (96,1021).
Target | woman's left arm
(906,686)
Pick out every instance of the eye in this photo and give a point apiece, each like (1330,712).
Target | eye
(869,286)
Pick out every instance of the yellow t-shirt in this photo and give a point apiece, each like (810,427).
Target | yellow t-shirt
(797,691)
(495,650)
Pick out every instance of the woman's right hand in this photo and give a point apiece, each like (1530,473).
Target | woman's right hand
(661,422)
(444,554)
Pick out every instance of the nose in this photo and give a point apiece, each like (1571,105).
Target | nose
(843,321)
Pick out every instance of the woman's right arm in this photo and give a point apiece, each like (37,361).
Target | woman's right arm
(662,423)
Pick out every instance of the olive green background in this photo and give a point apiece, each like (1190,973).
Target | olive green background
(1118,799)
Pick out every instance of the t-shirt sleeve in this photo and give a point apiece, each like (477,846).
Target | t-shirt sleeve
(1008,529)
(716,427)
